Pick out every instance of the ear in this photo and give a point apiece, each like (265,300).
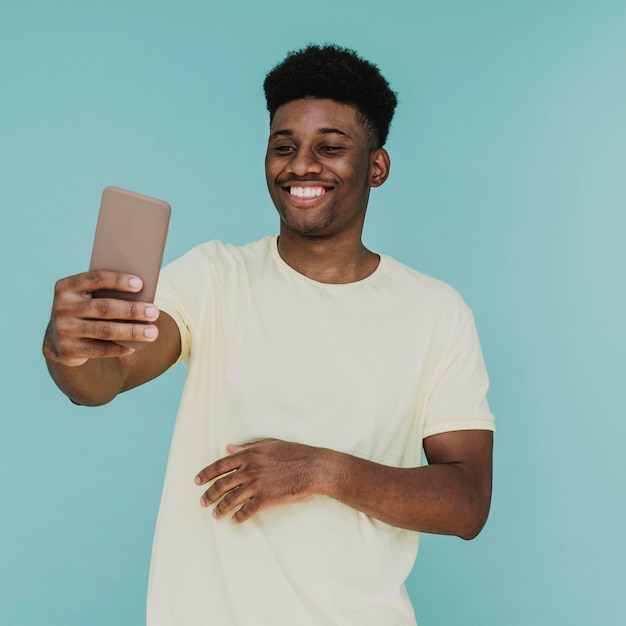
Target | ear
(379,167)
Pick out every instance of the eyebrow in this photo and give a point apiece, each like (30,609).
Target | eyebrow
(322,131)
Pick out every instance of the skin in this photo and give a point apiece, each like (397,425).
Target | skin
(319,145)
(79,343)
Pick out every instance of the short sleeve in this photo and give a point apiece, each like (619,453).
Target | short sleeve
(172,297)
(458,391)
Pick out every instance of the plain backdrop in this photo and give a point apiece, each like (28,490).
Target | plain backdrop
(508,181)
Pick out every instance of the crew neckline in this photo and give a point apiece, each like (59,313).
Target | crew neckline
(273,243)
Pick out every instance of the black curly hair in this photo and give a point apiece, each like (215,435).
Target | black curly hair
(339,74)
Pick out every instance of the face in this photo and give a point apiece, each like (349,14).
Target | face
(319,168)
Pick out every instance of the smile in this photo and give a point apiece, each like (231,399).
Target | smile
(307,192)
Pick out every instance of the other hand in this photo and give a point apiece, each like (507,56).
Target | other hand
(260,475)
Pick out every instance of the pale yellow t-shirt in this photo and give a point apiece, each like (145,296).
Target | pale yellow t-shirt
(369,368)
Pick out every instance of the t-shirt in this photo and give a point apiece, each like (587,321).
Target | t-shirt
(369,368)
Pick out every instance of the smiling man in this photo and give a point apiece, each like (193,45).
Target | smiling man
(318,371)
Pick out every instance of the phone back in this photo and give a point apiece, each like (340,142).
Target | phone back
(130,237)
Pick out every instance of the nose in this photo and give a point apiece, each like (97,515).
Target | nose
(304,162)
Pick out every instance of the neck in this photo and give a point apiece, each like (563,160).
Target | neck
(327,260)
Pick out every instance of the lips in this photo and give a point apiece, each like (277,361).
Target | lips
(306,193)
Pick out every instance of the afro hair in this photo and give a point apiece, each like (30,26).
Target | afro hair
(339,74)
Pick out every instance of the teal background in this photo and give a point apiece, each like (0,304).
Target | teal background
(508,181)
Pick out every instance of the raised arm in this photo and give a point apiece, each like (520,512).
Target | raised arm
(79,343)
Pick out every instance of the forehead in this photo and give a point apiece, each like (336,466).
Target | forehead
(313,114)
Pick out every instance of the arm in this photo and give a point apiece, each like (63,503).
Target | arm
(79,345)
(449,496)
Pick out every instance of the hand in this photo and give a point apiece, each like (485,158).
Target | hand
(260,475)
(83,327)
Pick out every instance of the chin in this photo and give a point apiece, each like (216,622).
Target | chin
(306,229)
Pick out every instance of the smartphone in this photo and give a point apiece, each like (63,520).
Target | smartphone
(130,237)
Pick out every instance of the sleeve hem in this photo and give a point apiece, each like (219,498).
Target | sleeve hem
(479,424)
(170,309)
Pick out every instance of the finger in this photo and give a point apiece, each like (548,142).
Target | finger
(75,352)
(115,309)
(234,448)
(247,510)
(117,331)
(95,280)
(231,501)
(219,467)
(70,329)
(69,304)
(220,487)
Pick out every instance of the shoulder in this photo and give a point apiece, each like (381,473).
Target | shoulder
(422,291)
(192,287)
(216,257)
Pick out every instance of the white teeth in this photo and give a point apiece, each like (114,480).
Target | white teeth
(307,192)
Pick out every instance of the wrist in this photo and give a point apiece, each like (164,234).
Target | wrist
(330,472)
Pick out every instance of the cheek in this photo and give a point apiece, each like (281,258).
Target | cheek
(357,171)
(360,178)
(272,169)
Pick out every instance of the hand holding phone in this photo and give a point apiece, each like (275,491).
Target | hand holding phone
(94,311)
(83,327)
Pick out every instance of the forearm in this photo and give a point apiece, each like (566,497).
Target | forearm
(450,496)
(439,498)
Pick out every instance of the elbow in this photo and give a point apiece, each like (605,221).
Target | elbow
(471,532)
(89,400)
(474,522)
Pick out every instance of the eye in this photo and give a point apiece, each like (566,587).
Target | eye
(328,149)
(284,149)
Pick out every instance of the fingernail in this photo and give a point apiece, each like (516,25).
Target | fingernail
(197,480)
(214,514)
(135,283)
(150,332)
(150,311)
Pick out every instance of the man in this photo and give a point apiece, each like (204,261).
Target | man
(317,370)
